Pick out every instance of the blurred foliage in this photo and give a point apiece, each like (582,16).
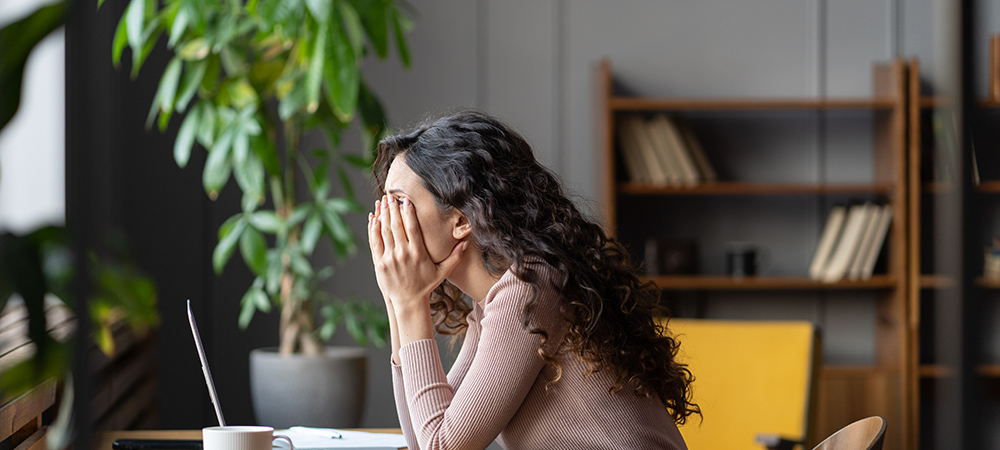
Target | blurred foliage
(16,41)
(39,265)
(251,78)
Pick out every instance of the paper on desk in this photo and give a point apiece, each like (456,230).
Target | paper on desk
(318,438)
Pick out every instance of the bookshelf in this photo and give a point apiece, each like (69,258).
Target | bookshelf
(879,388)
(925,187)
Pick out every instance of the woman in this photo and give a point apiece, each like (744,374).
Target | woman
(561,349)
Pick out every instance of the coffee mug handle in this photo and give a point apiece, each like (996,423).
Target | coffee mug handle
(281,436)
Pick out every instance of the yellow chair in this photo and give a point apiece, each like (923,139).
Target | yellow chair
(754,381)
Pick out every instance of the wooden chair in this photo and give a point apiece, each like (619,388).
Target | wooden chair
(864,434)
(755,382)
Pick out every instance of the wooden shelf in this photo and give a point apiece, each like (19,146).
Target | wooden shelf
(934,371)
(989,370)
(739,188)
(727,283)
(988,283)
(743,104)
(989,187)
(944,187)
(934,102)
(940,371)
(936,281)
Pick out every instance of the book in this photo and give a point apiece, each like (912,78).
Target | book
(847,245)
(876,246)
(655,171)
(666,127)
(705,168)
(867,240)
(665,154)
(827,241)
(631,153)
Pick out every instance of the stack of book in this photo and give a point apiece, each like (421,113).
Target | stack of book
(851,242)
(662,152)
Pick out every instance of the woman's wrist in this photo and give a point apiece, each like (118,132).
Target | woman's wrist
(413,321)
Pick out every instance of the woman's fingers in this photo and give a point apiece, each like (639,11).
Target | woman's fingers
(396,223)
(384,220)
(375,234)
(410,223)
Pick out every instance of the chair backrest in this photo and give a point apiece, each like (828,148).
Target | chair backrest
(864,434)
(751,377)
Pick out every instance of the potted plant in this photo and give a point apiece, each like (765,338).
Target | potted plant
(252,78)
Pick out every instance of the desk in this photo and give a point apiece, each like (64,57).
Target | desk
(104,439)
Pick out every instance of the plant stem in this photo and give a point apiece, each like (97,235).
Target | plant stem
(296,330)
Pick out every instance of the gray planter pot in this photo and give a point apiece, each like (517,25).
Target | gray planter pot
(326,390)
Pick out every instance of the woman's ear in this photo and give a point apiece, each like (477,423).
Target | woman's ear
(462,227)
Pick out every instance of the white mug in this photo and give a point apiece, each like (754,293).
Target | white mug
(241,438)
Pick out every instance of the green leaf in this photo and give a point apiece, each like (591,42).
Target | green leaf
(217,167)
(343,240)
(239,93)
(343,205)
(262,300)
(399,28)
(299,214)
(248,306)
(249,173)
(166,93)
(267,221)
(185,137)
(342,79)
(311,232)
(320,10)
(189,86)
(355,329)
(228,225)
(227,245)
(254,299)
(206,127)
(376,22)
(291,103)
(314,72)
(135,20)
(195,49)
(253,247)
(300,265)
(233,61)
(138,58)
(121,40)
(179,25)
(352,26)
(267,153)
(274,268)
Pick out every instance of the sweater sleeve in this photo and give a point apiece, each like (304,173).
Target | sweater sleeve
(399,394)
(455,375)
(503,369)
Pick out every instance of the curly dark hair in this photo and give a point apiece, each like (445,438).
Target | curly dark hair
(519,214)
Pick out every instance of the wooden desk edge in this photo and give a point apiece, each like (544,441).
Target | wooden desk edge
(106,438)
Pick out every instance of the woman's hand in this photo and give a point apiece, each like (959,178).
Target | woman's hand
(405,272)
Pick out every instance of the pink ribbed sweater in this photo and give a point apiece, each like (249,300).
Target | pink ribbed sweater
(497,389)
